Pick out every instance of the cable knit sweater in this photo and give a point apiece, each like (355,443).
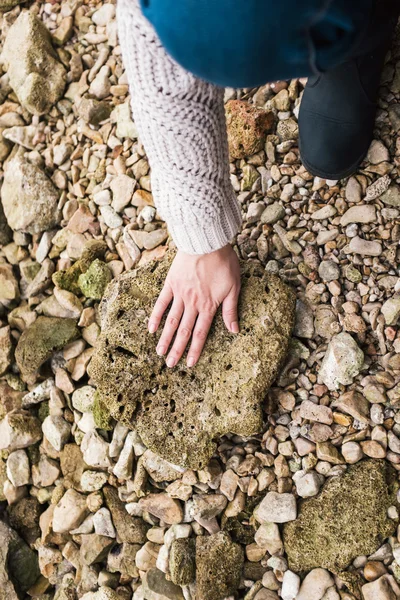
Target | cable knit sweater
(181,122)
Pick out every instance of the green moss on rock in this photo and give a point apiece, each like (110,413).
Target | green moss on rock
(219,564)
(182,564)
(67,279)
(40,340)
(180,412)
(95,280)
(101,414)
(347,519)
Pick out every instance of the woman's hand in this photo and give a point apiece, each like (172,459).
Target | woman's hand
(196,285)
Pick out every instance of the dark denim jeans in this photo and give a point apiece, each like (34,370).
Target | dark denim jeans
(244,43)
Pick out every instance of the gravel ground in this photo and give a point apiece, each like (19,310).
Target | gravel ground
(101,516)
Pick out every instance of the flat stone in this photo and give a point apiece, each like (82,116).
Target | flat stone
(355,404)
(363,213)
(57,431)
(273,213)
(163,507)
(36,75)
(219,563)
(342,362)
(94,548)
(365,247)
(391,310)
(38,342)
(380,589)
(19,568)
(316,412)
(377,153)
(276,508)
(172,422)
(391,197)
(326,212)
(157,587)
(29,197)
(347,519)
(69,512)
(18,470)
(315,584)
(122,188)
(329,453)
(19,430)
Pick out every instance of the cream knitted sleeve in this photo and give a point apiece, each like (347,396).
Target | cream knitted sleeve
(181,122)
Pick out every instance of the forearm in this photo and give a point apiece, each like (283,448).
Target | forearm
(181,122)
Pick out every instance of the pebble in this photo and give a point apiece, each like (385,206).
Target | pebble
(307,484)
(326,212)
(342,362)
(70,511)
(95,451)
(111,218)
(273,213)
(18,470)
(380,589)
(352,452)
(276,508)
(363,213)
(290,585)
(103,524)
(316,412)
(365,247)
(391,310)
(57,431)
(315,584)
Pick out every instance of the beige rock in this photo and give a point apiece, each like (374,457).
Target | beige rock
(69,512)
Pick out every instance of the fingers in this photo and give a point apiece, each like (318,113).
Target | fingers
(200,334)
(230,311)
(161,305)
(182,336)
(171,325)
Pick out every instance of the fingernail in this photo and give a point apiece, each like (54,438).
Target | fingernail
(235,327)
(161,350)
(170,362)
(152,328)
(190,361)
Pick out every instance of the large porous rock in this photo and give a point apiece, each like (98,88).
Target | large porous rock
(348,519)
(179,412)
(6,5)
(28,196)
(36,75)
(19,568)
(247,127)
(219,564)
(40,340)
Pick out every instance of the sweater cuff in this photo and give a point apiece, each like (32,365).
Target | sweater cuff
(201,237)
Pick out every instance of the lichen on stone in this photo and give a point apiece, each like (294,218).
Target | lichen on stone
(178,413)
(219,564)
(40,340)
(94,281)
(348,519)
(182,564)
(247,127)
(67,279)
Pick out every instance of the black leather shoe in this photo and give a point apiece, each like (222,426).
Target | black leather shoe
(337,112)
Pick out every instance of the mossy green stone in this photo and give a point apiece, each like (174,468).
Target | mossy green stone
(95,280)
(179,413)
(67,279)
(101,414)
(40,340)
(348,519)
(219,564)
(182,564)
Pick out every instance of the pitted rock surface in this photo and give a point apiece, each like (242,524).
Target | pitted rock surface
(179,412)
(349,518)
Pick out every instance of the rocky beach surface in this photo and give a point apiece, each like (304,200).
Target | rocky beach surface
(270,470)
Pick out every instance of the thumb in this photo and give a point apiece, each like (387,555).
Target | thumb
(230,312)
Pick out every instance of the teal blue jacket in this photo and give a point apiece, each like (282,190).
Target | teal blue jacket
(244,43)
